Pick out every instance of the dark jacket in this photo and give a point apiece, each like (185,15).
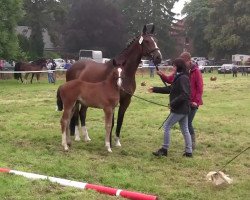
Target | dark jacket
(179,94)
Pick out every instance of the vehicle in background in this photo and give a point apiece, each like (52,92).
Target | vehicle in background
(196,59)
(226,69)
(144,63)
(8,66)
(104,60)
(59,63)
(91,54)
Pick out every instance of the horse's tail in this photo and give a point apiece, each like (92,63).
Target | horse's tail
(17,68)
(59,100)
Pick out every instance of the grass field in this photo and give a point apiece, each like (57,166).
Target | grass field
(30,140)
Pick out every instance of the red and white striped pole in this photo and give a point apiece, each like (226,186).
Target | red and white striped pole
(81,185)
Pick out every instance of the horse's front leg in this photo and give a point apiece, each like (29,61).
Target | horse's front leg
(108,124)
(32,75)
(25,78)
(124,103)
(83,114)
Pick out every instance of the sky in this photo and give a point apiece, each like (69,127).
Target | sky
(178,7)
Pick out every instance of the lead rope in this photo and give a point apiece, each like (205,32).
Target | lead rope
(233,158)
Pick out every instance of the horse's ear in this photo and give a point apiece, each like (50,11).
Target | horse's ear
(124,62)
(144,30)
(152,29)
(114,62)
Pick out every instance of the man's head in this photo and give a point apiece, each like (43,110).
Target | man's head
(186,56)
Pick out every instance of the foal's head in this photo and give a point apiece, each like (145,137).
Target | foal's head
(118,72)
(149,45)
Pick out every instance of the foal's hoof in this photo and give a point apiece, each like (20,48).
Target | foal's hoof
(109,150)
(77,138)
(66,149)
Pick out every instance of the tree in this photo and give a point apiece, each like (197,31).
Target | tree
(195,22)
(228,29)
(159,12)
(40,15)
(10,13)
(94,24)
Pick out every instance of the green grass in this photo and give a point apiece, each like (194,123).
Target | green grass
(30,141)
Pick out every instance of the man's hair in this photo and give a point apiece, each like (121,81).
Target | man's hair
(185,55)
(180,65)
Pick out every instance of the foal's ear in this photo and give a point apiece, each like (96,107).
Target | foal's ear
(114,62)
(144,30)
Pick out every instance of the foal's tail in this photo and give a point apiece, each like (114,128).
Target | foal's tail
(59,100)
(17,68)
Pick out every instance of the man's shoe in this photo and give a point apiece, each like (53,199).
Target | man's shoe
(186,154)
(161,152)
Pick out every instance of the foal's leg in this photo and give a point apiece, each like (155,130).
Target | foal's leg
(64,126)
(108,123)
(82,114)
(124,103)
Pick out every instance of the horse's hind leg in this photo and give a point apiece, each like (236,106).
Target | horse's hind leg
(108,124)
(82,114)
(124,103)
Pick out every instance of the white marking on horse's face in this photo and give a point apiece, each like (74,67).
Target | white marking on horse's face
(156,47)
(119,81)
(141,40)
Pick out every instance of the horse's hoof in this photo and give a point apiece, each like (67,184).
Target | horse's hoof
(77,138)
(117,143)
(87,139)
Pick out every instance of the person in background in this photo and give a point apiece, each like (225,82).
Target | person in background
(179,105)
(196,83)
(54,70)
(151,68)
(50,72)
(1,67)
(235,71)
(67,65)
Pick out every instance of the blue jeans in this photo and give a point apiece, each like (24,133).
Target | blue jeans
(190,120)
(183,122)
(51,78)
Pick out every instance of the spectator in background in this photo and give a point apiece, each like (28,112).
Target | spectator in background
(235,71)
(54,70)
(151,68)
(50,72)
(67,65)
(1,67)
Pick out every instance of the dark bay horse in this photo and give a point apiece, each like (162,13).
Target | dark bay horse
(86,70)
(36,65)
(104,95)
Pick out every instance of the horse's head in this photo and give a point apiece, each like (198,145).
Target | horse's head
(149,45)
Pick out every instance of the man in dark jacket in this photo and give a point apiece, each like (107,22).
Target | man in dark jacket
(179,108)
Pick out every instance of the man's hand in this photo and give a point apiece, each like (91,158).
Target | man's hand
(150,90)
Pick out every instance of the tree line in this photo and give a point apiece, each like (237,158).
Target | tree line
(218,28)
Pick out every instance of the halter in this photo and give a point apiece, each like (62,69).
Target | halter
(148,52)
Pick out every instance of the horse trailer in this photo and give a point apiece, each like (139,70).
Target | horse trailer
(91,54)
